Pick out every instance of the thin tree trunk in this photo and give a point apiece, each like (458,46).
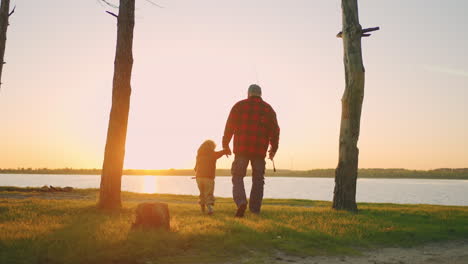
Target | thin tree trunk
(4,14)
(111,176)
(346,173)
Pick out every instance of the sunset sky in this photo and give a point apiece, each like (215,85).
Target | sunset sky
(194,59)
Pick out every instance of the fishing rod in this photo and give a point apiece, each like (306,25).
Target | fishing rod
(258,82)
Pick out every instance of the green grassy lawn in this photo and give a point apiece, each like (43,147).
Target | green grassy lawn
(39,229)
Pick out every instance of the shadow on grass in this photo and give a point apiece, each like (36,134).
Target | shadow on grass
(416,225)
(83,234)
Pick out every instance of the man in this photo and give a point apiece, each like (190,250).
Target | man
(254,126)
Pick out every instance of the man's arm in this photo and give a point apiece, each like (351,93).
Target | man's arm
(274,135)
(230,128)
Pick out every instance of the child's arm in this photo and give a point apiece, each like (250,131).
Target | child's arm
(219,154)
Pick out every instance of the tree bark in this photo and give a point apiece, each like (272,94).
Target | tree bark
(346,172)
(4,14)
(114,154)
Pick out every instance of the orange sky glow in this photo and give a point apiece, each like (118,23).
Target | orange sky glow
(194,59)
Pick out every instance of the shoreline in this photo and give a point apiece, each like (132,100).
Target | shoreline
(16,192)
(270,174)
(415,191)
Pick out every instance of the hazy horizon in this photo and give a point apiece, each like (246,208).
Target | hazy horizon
(194,59)
(71,168)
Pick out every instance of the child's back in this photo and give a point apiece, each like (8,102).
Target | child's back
(205,170)
(206,164)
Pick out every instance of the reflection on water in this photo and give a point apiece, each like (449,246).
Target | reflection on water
(149,184)
(413,191)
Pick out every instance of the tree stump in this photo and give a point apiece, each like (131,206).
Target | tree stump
(152,215)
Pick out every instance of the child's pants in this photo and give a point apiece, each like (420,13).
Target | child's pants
(206,187)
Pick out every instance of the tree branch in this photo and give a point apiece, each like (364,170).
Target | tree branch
(12,11)
(363,31)
(112,14)
(115,6)
(366,30)
(109,4)
(153,3)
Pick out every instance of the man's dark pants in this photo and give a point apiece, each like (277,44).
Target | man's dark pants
(238,171)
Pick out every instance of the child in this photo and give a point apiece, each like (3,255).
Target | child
(205,173)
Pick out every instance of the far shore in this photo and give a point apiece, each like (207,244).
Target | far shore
(443,173)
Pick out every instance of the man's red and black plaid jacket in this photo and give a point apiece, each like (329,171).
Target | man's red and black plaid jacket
(254,126)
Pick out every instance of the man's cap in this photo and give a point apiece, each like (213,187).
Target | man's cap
(255,90)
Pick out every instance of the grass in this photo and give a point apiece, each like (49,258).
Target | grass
(39,229)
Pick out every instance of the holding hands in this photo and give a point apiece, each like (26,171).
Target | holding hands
(227,151)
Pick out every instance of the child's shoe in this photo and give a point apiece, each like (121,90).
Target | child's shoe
(210,209)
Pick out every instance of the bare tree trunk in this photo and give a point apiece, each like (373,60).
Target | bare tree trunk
(4,14)
(111,176)
(346,173)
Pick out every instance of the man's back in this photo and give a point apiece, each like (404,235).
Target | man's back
(254,126)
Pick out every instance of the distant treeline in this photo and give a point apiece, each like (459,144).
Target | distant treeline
(444,173)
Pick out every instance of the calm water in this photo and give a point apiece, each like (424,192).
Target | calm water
(413,191)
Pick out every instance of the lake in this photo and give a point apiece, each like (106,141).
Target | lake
(407,191)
